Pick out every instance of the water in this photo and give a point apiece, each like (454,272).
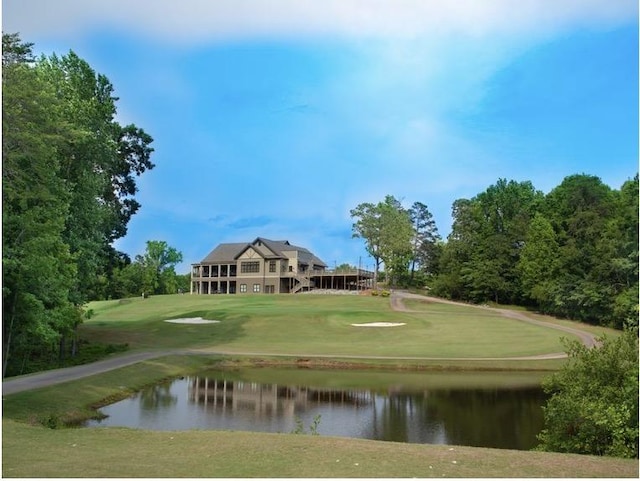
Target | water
(472,409)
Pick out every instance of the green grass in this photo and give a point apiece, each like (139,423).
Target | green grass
(77,401)
(425,305)
(115,452)
(302,326)
(316,325)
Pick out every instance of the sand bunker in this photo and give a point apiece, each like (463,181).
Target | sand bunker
(191,320)
(380,324)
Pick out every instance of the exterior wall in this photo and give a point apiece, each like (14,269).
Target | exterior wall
(252,273)
(292,257)
(250,285)
(228,278)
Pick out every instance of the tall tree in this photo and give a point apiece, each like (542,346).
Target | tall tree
(489,232)
(368,227)
(580,210)
(38,271)
(396,234)
(539,263)
(68,193)
(425,238)
(387,230)
(99,160)
(158,267)
(623,274)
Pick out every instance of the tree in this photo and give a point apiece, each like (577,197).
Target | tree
(593,408)
(488,235)
(368,227)
(538,264)
(425,238)
(68,193)
(158,268)
(38,270)
(582,211)
(98,161)
(387,230)
(396,232)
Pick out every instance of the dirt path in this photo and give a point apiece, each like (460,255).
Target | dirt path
(57,376)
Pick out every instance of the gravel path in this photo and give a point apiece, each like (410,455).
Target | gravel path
(57,376)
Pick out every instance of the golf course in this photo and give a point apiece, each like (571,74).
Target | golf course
(400,332)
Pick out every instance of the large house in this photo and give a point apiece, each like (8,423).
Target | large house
(270,267)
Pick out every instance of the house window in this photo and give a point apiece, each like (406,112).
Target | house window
(250,267)
(256,288)
(269,289)
(243,288)
(272,266)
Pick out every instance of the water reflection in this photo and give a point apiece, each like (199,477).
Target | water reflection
(490,417)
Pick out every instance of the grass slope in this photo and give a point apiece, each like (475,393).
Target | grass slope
(316,325)
(270,324)
(38,452)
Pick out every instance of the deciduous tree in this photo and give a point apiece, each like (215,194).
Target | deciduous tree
(38,270)
(387,230)
(158,268)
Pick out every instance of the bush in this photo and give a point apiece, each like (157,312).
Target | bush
(593,408)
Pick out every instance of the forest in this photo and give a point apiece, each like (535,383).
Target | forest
(571,253)
(69,175)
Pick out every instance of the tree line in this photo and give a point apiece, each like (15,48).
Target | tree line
(572,252)
(68,192)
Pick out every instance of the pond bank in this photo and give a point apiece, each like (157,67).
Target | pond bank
(56,376)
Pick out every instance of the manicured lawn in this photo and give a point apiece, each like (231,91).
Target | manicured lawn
(316,325)
(302,326)
(113,452)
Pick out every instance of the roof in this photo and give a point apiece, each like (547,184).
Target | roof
(269,249)
(225,253)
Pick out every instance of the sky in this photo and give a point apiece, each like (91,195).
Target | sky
(275,118)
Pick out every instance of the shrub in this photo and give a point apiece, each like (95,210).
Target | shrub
(593,408)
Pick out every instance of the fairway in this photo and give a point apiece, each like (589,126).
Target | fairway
(308,325)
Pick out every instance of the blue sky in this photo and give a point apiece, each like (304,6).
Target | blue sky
(274,118)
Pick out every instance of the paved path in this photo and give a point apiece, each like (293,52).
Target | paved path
(585,337)
(57,376)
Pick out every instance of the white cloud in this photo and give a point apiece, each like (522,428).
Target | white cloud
(189,21)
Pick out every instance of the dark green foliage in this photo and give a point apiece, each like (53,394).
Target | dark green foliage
(401,239)
(68,183)
(593,408)
(424,257)
(151,273)
(488,234)
(38,270)
(572,253)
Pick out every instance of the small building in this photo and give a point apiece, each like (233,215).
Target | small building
(270,267)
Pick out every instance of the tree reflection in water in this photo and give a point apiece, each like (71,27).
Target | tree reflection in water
(502,417)
(159,396)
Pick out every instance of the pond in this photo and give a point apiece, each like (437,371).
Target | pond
(501,410)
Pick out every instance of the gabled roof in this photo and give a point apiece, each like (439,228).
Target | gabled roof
(304,255)
(225,252)
(268,249)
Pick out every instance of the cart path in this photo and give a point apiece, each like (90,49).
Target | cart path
(57,376)
(585,337)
